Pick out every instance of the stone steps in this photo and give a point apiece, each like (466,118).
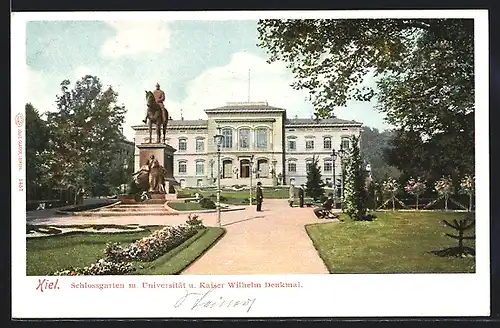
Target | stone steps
(142,209)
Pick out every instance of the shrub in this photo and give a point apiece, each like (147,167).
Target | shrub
(101,267)
(207,203)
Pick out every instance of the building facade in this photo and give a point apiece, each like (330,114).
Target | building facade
(259,140)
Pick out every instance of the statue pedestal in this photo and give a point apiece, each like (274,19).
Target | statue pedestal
(165,156)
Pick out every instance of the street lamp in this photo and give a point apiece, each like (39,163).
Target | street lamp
(211,171)
(250,169)
(334,184)
(275,178)
(341,155)
(218,141)
(125,169)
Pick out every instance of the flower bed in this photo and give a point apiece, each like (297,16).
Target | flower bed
(118,258)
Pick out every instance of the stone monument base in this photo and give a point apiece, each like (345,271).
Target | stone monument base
(165,156)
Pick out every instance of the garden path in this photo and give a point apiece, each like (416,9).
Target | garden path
(273,241)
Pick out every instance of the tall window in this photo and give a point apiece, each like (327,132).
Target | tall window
(308,165)
(309,144)
(227,141)
(182,167)
(244,138)
(200,145)
(200,168)
(292,144)
(292,166)
(327,165)
(327,143)
(261,138)
(344,144)
(182,144)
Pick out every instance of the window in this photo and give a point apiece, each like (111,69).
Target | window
(309,144)
(244,138)
(199,183)
(308,165)
(182,144)
(261,138)
(344,144)
(200,168)
(327,166)
(327,143)
(292,166)
(263,168)
(182,167)
(292,144)
(200,145)
(227,141)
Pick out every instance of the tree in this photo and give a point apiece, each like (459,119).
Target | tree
(423,73)
(373,147)
(355,194)
(314,184)
(85,135)
(37,142)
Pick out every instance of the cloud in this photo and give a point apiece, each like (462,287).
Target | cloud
(136,37)
(268,82)
(41,89)
(230,83)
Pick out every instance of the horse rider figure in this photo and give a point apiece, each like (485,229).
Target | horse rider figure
(159,98)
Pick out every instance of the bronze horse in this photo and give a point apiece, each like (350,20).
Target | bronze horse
(155,116)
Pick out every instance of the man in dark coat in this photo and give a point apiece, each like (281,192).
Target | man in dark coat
(259,196)
(322,211)
(301,195)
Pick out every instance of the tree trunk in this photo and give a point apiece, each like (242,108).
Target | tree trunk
(446,203)
(417,203)
(470,203)
(393,205)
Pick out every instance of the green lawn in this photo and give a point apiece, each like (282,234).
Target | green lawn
(181,206)
(46,255)
(395,242)
(241,197)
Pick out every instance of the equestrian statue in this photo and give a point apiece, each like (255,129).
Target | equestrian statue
(156,113)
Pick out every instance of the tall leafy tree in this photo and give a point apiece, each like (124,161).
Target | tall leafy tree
(423,71)
(355,193)
(37,142)
(314,185)
(373,147)
(85,134)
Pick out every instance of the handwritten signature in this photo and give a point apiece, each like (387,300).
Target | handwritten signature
(210,300)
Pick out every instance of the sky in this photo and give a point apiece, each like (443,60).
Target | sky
(199,65)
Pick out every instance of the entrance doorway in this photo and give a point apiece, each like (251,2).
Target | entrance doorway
(244,168)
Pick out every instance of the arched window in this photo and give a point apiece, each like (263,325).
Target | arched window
(200,167)
(292,166)
(200,145)
(182,144)
(182,167)
(344,143)
(261,138)
(227,141)
(309,163)
(244,138)
(327,143)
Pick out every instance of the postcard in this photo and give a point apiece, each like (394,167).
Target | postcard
(250,164)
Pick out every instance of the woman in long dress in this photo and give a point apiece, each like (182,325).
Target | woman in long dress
(291,195)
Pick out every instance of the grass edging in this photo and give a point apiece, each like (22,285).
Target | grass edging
(309,225)
(180,258)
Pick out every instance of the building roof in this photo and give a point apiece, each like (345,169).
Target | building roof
(327,121)
(246,106)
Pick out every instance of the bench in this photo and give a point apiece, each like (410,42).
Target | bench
(328,214)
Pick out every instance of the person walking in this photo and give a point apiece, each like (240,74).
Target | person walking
(301,195)
(291,195)
(259,196)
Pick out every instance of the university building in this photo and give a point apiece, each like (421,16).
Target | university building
(258,139)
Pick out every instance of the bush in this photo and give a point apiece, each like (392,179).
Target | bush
(207,203)
(184,194)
